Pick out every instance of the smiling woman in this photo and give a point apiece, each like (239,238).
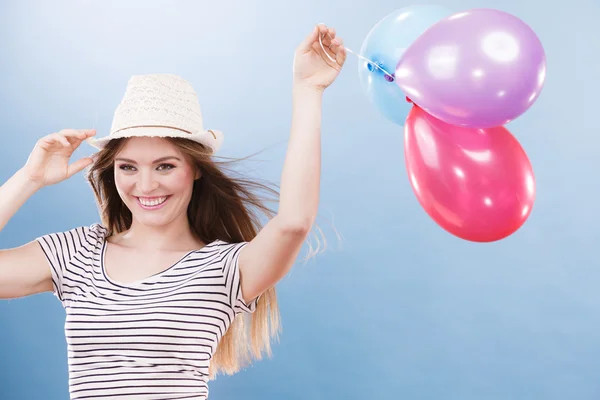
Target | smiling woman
(156,294)
(152,174)
(169,206)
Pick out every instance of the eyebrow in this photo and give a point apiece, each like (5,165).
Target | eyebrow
(154,162)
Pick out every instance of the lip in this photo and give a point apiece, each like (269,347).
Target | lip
(151,208)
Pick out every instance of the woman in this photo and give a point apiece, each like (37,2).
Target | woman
(156,295)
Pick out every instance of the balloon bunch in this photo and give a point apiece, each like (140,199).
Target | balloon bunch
(454,80)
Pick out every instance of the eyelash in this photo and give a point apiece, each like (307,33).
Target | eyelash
(126,167)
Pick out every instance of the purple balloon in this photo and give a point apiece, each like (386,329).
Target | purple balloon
(480,68)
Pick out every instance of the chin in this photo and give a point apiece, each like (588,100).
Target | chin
(152,221)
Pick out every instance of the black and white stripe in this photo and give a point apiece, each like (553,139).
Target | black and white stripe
(152,339)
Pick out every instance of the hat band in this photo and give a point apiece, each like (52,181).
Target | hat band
(160,126)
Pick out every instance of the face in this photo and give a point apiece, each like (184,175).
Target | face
(154,180)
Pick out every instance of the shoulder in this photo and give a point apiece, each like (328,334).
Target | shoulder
(225,248)
(220,251)
(76,237)
(97,231)
(229,253)
(91,233)
(220,246)
(216,255)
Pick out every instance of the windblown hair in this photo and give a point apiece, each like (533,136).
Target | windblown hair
(221,207)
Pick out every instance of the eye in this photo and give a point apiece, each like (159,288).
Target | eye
(165,167)
(126,167)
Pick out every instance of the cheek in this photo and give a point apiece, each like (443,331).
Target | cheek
(180,181)
(124,184)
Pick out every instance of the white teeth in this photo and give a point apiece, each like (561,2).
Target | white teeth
(153,202)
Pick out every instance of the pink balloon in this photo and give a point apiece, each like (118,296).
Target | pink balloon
(478,68)
(477,184)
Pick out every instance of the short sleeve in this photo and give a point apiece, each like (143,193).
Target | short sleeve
(59,249)
(231,272)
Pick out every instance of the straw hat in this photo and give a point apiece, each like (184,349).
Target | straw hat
(160,105)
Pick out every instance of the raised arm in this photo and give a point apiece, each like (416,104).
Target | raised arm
(24,270)
(270,255)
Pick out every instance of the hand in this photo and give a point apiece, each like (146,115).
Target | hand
(48,163)
(312,66)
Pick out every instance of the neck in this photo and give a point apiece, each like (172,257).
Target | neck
(175,236)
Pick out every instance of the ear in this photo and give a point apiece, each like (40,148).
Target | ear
(198,174)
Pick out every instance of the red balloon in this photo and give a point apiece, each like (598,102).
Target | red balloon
(477,184)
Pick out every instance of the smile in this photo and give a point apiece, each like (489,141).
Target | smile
(152,203)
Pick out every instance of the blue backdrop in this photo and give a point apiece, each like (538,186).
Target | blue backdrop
(398,308)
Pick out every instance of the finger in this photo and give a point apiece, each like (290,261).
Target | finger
(56,139)
(78,137)
(62,140)
(327,42)
(322,46)
(328,37)
(325,37)
(49,143)
(323,29)
(78,165)
(322,51)
(331,33)
(310,39)
(85,135)
(336,45)
(78,133)
(341,54)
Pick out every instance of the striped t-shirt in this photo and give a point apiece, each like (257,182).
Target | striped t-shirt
(152,339)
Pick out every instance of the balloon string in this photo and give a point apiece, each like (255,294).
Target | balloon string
(389,77)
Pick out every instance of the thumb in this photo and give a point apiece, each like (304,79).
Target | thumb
(307,43)
(78,166)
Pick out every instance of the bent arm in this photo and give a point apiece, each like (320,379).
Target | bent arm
(271,254)
(24,270)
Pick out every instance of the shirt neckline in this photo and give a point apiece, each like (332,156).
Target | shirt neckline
(150,277)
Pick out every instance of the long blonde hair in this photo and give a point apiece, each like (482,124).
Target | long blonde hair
(221,207)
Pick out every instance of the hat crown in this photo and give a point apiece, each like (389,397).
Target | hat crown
(159,100)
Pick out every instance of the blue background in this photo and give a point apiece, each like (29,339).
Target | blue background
(398,308)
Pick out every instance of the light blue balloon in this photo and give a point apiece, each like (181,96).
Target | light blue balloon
(384,45)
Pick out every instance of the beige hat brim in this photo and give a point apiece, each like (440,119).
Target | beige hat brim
(209,138)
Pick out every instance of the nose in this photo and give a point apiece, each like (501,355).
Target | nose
(147,182)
